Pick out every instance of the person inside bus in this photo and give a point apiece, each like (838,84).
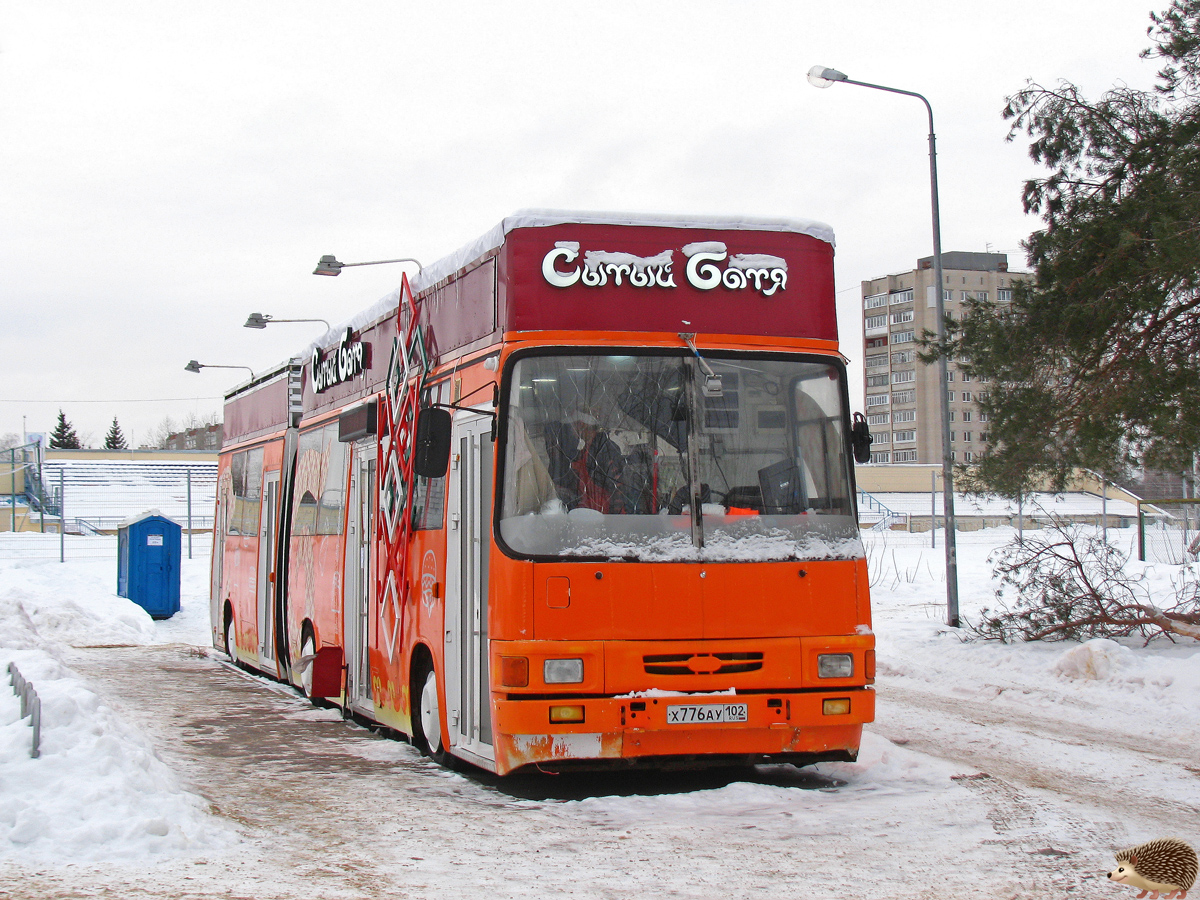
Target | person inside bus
(562,449)
(597,465)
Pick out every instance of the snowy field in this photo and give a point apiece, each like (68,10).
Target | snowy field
(992,771)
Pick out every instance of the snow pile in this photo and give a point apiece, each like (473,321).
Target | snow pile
(98,791)
(1094,660)
(51,603)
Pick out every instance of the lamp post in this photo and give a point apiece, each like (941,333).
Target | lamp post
(329,265)
(194,366)
(261,320)
(822,77)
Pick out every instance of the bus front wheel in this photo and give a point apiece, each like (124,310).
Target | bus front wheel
(428,720)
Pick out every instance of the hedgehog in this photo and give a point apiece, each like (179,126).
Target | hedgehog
(1166,866)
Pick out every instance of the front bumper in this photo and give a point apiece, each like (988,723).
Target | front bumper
(787,726)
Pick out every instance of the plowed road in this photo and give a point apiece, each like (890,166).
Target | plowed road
(327,809)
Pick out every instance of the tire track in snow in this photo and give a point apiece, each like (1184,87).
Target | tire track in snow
(1157,789)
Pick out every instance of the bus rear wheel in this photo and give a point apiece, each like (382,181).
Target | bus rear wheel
(427,721)
(230,640)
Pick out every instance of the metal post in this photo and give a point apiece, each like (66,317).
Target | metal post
(1104,503)
(12,485)
(189,515)
(952,617)
(933,509)
(1020,519)
(62,518)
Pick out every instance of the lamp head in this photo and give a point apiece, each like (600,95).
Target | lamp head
(328,266)
(192,366)
(822,77)
(257,320)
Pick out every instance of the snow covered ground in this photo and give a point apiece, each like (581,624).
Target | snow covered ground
(992,770)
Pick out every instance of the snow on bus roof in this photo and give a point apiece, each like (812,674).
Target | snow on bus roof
(543,218)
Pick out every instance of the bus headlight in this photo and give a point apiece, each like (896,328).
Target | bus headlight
(562,671)
(835,665)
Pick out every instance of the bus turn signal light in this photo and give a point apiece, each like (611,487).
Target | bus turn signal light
(559,714)
(514,671)
(838,706)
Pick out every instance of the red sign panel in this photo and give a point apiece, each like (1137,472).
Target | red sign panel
(627,278)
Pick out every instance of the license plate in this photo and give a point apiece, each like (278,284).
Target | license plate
(707,713)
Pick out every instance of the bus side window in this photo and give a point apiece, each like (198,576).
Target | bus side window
(429,504)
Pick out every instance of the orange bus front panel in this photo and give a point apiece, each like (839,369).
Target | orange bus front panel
(681,601)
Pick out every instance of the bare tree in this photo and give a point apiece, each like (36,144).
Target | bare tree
(1065,584)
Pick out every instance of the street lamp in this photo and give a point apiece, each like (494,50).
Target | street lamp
(194,366)
(822,77)
(260,320)
(330,266)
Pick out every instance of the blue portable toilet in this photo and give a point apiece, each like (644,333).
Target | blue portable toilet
(148,561)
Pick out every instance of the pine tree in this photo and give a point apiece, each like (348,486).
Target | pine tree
(64,437)
(1094,363)
(115,440)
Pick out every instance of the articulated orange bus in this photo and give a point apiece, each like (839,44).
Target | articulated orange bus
(579,495)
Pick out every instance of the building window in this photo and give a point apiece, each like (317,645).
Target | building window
(950,396)
(966,377)
(881,437)
(877,380)
(965,296)
(902,456)
(966,415)
(877,400)
(983,417)
(902,337)
(966,437)
(953,437)
(904,356)
(904,377)
(949,374)
(905,296)
(875,302)
(981,295)
(882,457)
(951,415)
(966,396)
(1004,296)
(904,437)
(983,437)
(905,415)
(899,318)
(876,322)
(904,397)
(873,343)
(878,419)
(879,359)
(981,396)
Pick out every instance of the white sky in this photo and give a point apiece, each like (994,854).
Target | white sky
(167,169)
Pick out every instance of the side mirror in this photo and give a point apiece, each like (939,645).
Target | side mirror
(860,438)
(432,444)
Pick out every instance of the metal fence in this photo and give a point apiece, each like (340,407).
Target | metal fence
(72,509)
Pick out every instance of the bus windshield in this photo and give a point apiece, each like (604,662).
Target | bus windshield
(608,455)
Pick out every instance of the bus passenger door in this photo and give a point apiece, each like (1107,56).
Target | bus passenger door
(268,534)
(360,529)
(469,498)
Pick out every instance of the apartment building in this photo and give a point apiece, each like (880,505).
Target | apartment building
(902,403)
